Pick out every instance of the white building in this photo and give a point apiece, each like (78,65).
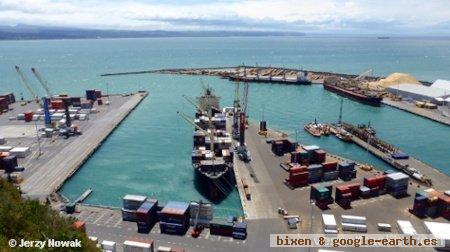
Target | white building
(419,92)
(442,84)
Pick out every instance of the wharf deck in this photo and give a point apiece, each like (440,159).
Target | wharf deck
(269,192)
(440,180)
(64,162)
(435,115)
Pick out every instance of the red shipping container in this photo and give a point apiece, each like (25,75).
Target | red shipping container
(376,181)
(329,166)
(28,116)
(343,189)
(319,156)
(301,175)
(98,93)
(298,168)
(57,104)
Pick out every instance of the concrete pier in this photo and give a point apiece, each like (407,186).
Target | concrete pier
(440,180)
(434,115)
(46,174)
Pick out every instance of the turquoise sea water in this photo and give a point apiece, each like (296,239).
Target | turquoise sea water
(150,152)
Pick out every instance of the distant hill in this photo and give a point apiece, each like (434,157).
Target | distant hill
(27,32)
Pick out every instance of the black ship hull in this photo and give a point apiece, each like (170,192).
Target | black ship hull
(217,189)
(372,101)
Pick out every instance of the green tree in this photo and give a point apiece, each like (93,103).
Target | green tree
(29,220)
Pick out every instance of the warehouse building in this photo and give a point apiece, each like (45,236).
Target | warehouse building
(442,84)
(419,93)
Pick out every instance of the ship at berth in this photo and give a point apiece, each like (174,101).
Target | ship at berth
(212,154)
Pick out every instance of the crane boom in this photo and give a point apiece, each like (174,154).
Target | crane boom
(25,81)
(192,102)
(366,73)
(245,99)
(210,134)
(41,80)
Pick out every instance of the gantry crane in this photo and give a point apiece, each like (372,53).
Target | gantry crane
(42,81)
(26,83)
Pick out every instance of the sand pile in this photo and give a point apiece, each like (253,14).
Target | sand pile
(393,79)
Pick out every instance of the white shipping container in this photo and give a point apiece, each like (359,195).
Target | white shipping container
(20,152)
(330,231)
(384,227)
(109,245)
(354,219)
(329,222)
(135,246)
(405,227)
(36,117)
(354,227)
(440,230)
(20,117)
(164,249)
(5,148)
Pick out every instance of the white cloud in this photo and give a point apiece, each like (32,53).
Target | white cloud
(301,15)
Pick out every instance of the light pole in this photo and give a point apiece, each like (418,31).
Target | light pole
(38,140)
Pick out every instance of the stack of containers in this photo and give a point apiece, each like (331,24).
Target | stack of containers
(346,171)
(131,203)
(174,218)
(397,184)
(57,104)
(318,156)
(91,95)
(288,146)
(364,191)
(4,105)
(202,214)
(9,163)
(298,176)
(330,171)
(420,205)
(310,149)
(304,157)
(347,193)
(220,227)
(444,205)
(321,195)
(278,147)
(240,230)
(314,173)
(343,196)
(376,184)
(146,215)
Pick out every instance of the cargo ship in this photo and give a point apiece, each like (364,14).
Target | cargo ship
(212,154)
(299,79)
(354,93)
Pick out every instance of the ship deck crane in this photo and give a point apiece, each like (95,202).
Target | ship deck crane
(42,81)
(210,134)
(26,83)
(366,73)
(192,102)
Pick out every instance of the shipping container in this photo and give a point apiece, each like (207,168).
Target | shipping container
(354,219)
(133,202)
(138,246)
(354,227)
(223,228)
(240,227)
(20,152)
(239,235)
(329,222)
(384,227)
(109,245)
(129,215)
(405,227)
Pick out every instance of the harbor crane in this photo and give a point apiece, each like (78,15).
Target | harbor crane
(26,83)
(42,81)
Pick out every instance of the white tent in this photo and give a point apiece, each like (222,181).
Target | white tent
(442,84)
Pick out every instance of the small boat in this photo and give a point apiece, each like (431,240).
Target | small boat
(313,130)
(344,136)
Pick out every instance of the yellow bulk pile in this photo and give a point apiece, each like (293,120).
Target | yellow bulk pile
(393,79)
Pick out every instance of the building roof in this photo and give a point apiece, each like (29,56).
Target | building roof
(420,90)
(443,84)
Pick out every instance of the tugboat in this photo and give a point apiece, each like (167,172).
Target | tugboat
(212,154)
(313,128)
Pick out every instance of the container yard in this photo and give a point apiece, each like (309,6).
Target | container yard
(38,158)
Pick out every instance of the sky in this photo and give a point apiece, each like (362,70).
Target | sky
(429,17)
